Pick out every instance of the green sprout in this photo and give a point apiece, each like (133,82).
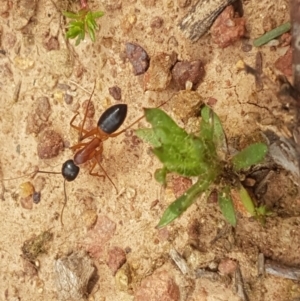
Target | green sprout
(191,155)
(82,22)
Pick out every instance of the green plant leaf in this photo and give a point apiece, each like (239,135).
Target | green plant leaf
(246,200)
(91,23)
(186,200)
(80,38)
(70,15)
(73,32)
(251,155)
(97,14)
(149,136)
(179,151)
(160,175)
(226,205)
(207,125)
(219,138)
(185,158)
(160,120)
(79,24)
(84,21)
(91,33)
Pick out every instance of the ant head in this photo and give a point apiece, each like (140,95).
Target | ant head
(112,118)
(70,170)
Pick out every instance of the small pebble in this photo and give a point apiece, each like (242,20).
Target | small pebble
(36,197)
(91,109)
(115,92)
(26,189)
(159,76)
(49,145)
(246,47)
(68,98)
(188,71)
(138,57)
(63,87)
(156,22)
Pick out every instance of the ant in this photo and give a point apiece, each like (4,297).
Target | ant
(109,122)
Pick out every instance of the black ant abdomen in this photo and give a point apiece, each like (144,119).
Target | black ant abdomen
(70,170)
(112,118)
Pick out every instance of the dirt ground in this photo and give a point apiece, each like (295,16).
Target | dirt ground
(101,227)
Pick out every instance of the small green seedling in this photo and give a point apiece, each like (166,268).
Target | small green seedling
(82,22)
(200,156)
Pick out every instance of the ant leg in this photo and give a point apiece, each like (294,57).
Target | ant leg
(79,129)
(78,145)
(97,158)
(95,174)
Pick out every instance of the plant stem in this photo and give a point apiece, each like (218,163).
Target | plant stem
(270,35)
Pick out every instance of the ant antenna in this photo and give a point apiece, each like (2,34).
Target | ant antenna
(64,204)
(85,114)
(33,173)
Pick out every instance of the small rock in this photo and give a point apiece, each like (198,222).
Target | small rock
(116,258)
(284,63)
(51,44)
(73,274)
(91,109)
(197,259)
(36,245)
(49,145)
(192,103)
(156,22)
(89,218)
(246,47)
(102,232)
(226,29)
(211,101)
(23,63)
(227,267)
(63,87)
(115,92)
(36,197)
(34,124)
(128,22)
(43,109)
(157,287)
(188,71)
(68,99)
(138,57)
(26,189)
(39,182)
(285,39)
(158,76)
(123,278)
(180,185)
(26,203)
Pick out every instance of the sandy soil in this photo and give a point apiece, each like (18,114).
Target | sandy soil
(126,220)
